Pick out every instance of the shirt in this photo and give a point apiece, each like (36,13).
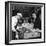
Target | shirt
(14,22)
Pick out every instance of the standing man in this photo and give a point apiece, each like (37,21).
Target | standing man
(37,22)
(14,22)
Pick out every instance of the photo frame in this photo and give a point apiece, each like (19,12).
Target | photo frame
(26,9)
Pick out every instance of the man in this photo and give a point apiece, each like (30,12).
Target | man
(15,21)
(37,22)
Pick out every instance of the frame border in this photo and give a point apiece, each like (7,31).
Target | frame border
(7,40)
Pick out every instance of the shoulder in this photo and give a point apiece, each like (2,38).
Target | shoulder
(14,17)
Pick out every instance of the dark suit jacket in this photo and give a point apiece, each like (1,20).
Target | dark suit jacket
(37,23)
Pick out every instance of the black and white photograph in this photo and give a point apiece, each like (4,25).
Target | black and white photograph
(24,22)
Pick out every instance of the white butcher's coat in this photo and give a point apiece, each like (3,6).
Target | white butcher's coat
(14,22)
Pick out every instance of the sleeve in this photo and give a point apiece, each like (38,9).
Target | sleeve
(14,22)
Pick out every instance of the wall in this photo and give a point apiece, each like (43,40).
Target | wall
(2,22)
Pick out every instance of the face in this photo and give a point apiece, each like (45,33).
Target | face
(18,17)
(26,20)
(34,15)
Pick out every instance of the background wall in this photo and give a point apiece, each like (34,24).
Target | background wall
(2,22)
